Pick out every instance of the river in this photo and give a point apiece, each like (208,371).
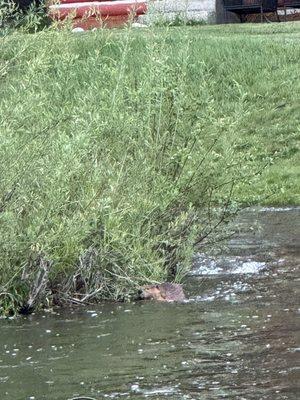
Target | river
(235,338)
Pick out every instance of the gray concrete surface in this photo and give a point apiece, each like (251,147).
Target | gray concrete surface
(207,10)
(186,9)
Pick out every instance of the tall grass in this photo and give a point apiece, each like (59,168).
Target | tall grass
(120,150)
(30,18)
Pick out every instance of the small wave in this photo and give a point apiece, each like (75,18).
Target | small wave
(275,209)
(205,265)
(226,292)
(249,267)
(163,391)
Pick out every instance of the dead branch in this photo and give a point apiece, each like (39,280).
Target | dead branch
(39,287)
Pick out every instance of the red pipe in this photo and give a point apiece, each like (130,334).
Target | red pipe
(97,9)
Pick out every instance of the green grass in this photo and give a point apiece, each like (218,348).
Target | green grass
(119,149)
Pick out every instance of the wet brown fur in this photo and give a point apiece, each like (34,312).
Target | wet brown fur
(163,292)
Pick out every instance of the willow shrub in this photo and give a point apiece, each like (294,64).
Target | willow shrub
(116,148)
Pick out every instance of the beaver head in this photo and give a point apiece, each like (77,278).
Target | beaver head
(162,292)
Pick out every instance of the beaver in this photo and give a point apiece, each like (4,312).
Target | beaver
(162,292)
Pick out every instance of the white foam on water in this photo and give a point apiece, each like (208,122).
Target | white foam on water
(205,265)
(226,292)
(272,209)
(249,267)
(163,391)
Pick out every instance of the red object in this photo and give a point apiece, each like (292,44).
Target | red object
(78,1)
(92,22)
(98,9)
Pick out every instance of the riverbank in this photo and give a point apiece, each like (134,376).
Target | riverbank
(117,146)
(235,337)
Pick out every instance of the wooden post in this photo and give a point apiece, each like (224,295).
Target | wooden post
(277,16)
(284,12)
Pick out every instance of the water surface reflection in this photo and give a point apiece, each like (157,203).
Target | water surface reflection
(236,338)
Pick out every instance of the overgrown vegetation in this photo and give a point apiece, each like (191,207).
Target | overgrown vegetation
(179,20)
(27,16)
(121,150)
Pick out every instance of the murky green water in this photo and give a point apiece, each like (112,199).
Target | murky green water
(236,338)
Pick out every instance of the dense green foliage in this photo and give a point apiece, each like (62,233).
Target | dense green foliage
(121,149)
(26,16)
